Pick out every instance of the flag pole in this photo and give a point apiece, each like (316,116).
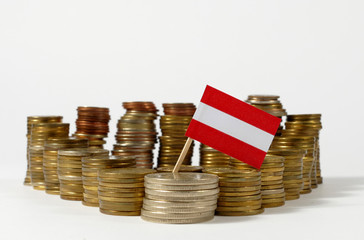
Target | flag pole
(182,155)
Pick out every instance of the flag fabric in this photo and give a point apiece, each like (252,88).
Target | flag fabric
(233,127)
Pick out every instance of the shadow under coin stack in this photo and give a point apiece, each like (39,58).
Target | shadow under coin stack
(183,168)
(240,193)
(50,160)
(40,133)
(292,174)
(308,125)
(270,104)
(121,190)
(180,198)
(211,158)
(302,143)
(93,124)
(90,168)
(30,121)
(173,126)
(136,135)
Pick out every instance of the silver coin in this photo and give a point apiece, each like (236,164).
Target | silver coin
(180,210)
(181,187)
(162,215)
(177,221)
(159,203)
(181,199)
(197,193)
(183,178)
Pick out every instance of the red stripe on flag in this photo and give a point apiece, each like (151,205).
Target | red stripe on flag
(241,110)
(225,143)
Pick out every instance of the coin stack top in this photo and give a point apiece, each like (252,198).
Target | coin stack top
(121,190)
(136,135)
(240,193)
(93,123)
(180,198)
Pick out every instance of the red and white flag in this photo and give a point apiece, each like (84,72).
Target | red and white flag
(233,127)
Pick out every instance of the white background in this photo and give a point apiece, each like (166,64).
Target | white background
(57,55)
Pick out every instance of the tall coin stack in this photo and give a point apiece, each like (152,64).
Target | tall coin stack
(180,198)
(50,160)
(30,121)
(240,193)
(40,133)
(270,104)
(90,168)
(136,135)
(211,158)
(308,125)
(292,175)
(121,190)
(307,143)
(173,126)
(93,124)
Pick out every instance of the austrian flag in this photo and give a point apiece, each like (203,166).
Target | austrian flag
(233,127)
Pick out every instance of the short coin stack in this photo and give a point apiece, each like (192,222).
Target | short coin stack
(173,126)
(92,123)
(240,193)
(92,165)
(121,190)
(136,135)
(292,175)
(50,160)
(40,133)
(180,198)
(70,173)
(272,170)
(211,158)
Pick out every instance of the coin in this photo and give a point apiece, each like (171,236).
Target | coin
(181,178)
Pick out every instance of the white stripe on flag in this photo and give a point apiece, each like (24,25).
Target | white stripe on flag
(233,126)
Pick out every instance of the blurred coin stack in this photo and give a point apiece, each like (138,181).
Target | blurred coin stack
(306,143)
(270,104)
(70,173)
(173,126)
(30,121)
(50,160)
(272,171)
(121,190)
(93,124)
(292,174)
(240,193)
(92,165)
(180,198)
(211,158)
(40,133)
(136,135)
(308,125)
(183,168)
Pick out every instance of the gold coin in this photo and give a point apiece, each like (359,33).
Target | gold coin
(120,213)
(126,190)
(240,213)
(121,185)
(244,208)
(240,199)
(240,204)
(120,200)
(271,205)
(121,180)
(238,184)
(239,194)
(121,194)
(240,189)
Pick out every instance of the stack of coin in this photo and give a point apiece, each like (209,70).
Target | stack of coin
(240,193)
(173,126)
(270,104)
(92,123)
(90,168)
(183,168)
(306,143)
(70,173)
(272,171)
(121,190)
(30,121)
(211,158)
(308,125)
(136,135)
(292,175)
(50,163)
(180,198)
(40,133)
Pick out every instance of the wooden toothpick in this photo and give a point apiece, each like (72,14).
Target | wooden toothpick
(182,155)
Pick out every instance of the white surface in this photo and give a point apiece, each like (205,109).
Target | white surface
(57,55)
(233,126)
